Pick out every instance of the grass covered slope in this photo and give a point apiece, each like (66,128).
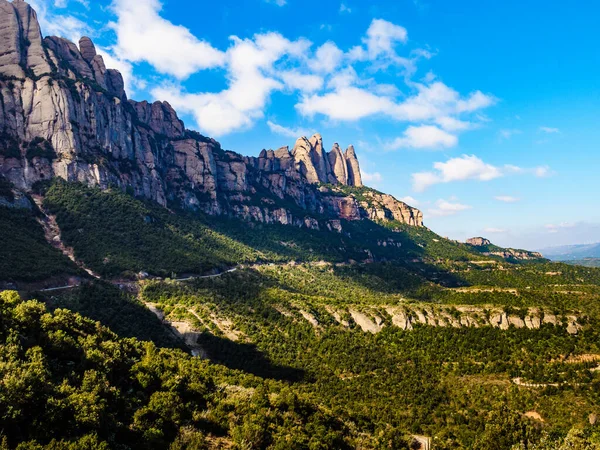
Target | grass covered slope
(25,255)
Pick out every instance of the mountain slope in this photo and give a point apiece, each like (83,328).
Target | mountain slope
(64,114)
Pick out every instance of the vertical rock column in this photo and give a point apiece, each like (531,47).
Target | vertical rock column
(354,177)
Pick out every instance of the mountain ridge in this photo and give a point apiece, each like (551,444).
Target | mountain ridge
(64,114)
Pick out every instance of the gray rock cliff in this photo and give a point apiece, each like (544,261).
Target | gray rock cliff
(64,114)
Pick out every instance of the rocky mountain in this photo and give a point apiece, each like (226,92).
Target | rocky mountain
(486,247)
(64,114)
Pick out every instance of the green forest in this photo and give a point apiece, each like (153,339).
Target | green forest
(286,360)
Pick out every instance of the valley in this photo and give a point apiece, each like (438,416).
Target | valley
(158,291)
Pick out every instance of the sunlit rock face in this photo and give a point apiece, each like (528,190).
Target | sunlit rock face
(64,114)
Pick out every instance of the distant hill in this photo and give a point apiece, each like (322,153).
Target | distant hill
(572,252)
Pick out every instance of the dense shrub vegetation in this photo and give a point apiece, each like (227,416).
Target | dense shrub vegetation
(275,380)
(24,253)
(71,383)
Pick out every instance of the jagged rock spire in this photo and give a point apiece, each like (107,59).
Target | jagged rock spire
(338,165)
(20,40)
(317,166)
(354,177)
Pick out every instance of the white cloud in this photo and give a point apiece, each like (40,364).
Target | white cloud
(549,130)
(382,37)
(422,137)
(453,124)
(288,132)
(327,58)
(506,199)
(345,9)
(63,25)
(143,35)
(445,208)
(494,230)
(456,169)
(251,83)
(277,2)
(469,168)
(348,102)
(326,79)
(372,178)
(296,80)
(410,200)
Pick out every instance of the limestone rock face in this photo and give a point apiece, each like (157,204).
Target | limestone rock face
(10,41)
(382,207)
(338,165)
(354,177)
(160,117)
(87,49)
(21,41)
(506,253)
(478,241)
(62,98)
(303,156)
(319,158)
(68,53)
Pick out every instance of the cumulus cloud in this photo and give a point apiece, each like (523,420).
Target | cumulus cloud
(467,167)
(143,35)
(288,132)
(445,208)
(251,82)
(456,169)
(506,199)
(432,102)
(423,137)
(410,200)
(325,77)
(382,38)
(327,58)
(296,80)
(371,178)
(277,2)
(59,24)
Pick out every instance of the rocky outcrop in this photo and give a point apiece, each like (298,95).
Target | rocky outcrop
(406,317)
(354,176)
(485,247)
(64,114)
(21,48)
(478,241)
(339,165)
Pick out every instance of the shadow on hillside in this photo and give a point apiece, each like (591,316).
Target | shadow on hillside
(247,358)
(114,309)
(405,262)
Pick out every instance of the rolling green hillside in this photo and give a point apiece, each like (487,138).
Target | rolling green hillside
(360,339)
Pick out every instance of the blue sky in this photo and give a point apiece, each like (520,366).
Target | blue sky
(484,114)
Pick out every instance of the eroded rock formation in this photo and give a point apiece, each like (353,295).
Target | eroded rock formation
(64,114)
